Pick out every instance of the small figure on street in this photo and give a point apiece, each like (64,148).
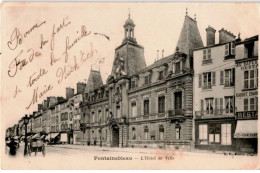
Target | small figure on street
(95,142)
(13,147)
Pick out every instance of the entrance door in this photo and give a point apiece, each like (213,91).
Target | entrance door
(178,103)
(115,136)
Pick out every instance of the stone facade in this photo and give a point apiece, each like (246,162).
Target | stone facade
(142,106)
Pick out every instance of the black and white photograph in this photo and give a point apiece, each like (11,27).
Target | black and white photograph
(120,85)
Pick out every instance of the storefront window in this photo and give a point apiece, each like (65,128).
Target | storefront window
(226,134)
(203,134)
(214,133)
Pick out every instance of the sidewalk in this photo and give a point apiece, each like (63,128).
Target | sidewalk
(194,152)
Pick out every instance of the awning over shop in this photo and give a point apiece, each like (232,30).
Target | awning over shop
(53,135)
(36,136)
(63,137)
(246,129)
(48,137)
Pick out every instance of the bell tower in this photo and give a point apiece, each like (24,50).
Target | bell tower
(129,27)
(129,56)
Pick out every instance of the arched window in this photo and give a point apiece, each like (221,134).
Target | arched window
(131,33)
(133,109)
(118,111)
(146,130)
(57,128)
(133,133)
(161,132)
(178,131)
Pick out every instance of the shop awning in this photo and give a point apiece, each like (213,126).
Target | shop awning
(246,129)
(36,136)
(48,137)
(53,135)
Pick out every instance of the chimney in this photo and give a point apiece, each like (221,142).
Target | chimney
(60,99)
(210,36)
(225,36)
(162,53)
(51,101)
(157,55)
(81,88)
(69,93)
(40,106)
(45,104)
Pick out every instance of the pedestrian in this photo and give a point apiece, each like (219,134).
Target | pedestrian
(95,142)
(13,147)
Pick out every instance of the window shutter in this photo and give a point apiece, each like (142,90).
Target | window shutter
(204,54)
(233,77)
(221,105)
(222,77)
(213,78)
(226,49)
(201,105)
(200,80)
(216,105)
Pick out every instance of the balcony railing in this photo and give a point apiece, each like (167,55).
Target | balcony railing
(207,61)
(214,112)
(176,112)
(207,86)
(148,117)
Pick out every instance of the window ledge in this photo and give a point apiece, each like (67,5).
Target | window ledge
(249,89)
(228,87)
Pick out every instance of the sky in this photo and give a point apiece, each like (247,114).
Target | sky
(158,26)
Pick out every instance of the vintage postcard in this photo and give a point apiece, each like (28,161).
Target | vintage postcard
(117,85)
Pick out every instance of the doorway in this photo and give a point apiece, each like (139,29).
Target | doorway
(115,135)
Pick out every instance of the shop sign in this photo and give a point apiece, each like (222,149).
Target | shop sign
(246,135)
(247,115)
(247,94)
(248,65)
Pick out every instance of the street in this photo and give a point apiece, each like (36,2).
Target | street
(66,156)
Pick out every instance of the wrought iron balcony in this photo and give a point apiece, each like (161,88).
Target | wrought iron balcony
(176,112)
(214,113)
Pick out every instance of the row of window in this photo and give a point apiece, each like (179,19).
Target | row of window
(217,107)
(229,50)
(215,135)
(176,68)
(208,79)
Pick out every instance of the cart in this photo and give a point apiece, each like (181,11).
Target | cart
(36,145)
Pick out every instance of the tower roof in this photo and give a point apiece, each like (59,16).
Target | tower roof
(129,21)
(94,81)
(190,37)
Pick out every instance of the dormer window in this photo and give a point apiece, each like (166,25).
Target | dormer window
(230,50)
(177,67)
(146,80)
(133,85)
(249,50)
(207,56)
(161,75)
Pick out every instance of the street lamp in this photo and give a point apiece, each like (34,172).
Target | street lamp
(25,121)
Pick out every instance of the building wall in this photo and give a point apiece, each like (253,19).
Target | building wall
(217,91)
